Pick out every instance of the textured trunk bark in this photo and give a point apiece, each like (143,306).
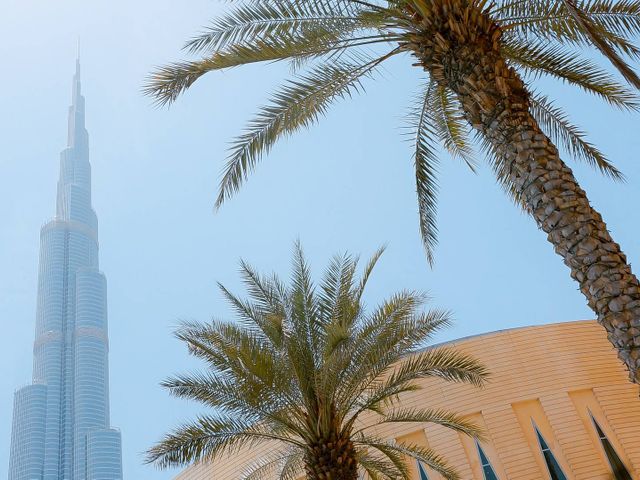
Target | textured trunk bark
(496,103)
(332,458)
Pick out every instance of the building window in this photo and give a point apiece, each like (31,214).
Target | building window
(620,472)
(422,472)
(553,466)
(487,469)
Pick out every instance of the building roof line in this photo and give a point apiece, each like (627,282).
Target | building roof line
(502,331)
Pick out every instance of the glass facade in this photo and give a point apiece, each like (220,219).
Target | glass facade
(555,471)
(27,439)
(487,469)
(103,455)
(618,467)
(422,472)
(61,427)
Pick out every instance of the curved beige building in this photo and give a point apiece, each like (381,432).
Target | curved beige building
(559,406)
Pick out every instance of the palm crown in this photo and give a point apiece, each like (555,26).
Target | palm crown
(481,59)
(328,43)
(303,366)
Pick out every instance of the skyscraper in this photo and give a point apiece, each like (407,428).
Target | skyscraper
(61,428)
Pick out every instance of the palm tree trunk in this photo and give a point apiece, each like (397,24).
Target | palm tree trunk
(332,458)
(496,102)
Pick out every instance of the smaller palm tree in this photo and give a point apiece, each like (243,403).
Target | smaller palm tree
(307,370)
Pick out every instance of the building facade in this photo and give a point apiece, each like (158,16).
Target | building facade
(61,428)
(558,406)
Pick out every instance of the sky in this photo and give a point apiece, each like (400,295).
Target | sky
(346,185)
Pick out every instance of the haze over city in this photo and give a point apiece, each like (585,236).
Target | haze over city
(155,176)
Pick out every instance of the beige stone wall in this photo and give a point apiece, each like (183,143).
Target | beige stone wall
(554,375)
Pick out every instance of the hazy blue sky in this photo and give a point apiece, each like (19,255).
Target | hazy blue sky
(345,185)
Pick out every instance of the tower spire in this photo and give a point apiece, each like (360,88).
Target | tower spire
(75,171)
(77,75)
(77,136)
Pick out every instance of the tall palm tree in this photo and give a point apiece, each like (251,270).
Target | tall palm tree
(302,366)
(481,60)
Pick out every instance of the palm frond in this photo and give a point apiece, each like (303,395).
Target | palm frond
(366,274)
(276,465)
(192,334)
(537,57)
(336,287)
(442,362)
(555,123)
(305,323)
(619,16)
(426,166)
(207,438)
(299,104)
(393,456)
(248,313)
(502,168)
(383,381)
(243,357)
(209,388)
(397,451)
(450,125)
(267,311)
(381,341)
(331,20)
(600,41)
(167,83)
(615,22)
(377,466)
(436,416)
(226,395)
(292,467)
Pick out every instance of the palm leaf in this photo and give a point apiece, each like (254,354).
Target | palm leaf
(297,105)
(436,416)
(442,362)
(379,343)
(396,452)
(209,437)
(166,83)
(336,288)
(277,465)
(537,57)
(426,165)
(292,467)
(619,16)
(377,467)
(366,274)
(329,20)
(450,125)
(600,41)
(554,121)
(552,20)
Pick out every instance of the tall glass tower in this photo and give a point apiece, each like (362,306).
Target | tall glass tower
(61,428)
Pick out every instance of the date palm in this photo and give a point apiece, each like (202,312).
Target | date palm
(302,366)
(481,60)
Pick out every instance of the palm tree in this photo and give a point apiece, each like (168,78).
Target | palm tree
(480,59)
(302,366)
